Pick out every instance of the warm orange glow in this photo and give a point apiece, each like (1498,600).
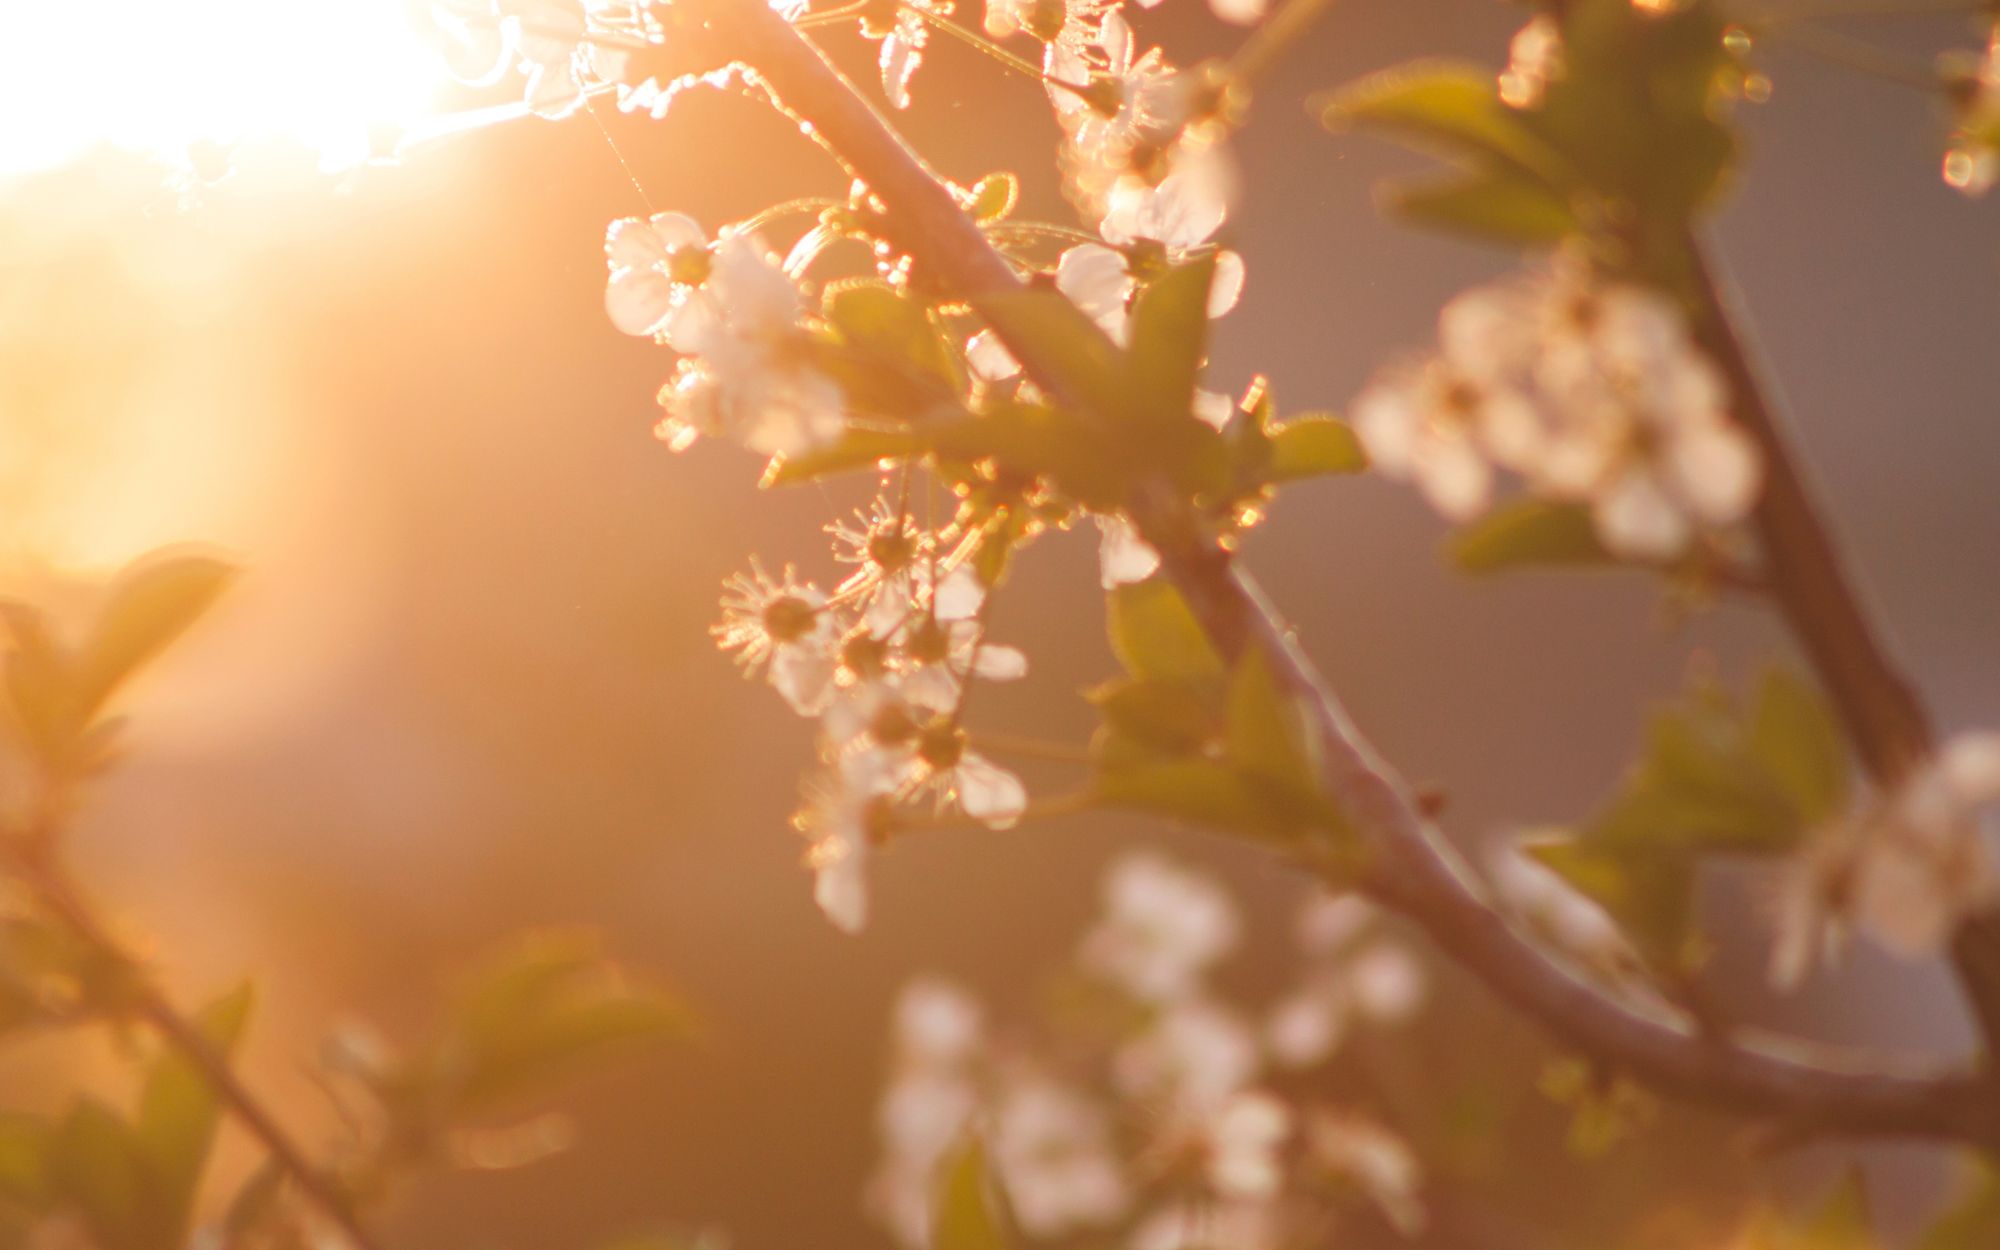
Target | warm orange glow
(156,78)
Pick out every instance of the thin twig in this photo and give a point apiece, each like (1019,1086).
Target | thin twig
(55,891)
(1415,871)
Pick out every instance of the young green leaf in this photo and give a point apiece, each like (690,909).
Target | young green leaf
(1155,634)
(1799,743)
(179,1111)
(149,606)
(1499,205)
(1170,340)
(1448,107)
(1309,446)
(1527,534)
(969,1213)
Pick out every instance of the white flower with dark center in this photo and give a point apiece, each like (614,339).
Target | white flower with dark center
(1639,422)
(1113,110)
(934,760)
(1436,425)
(939,640)
(1162,928)
(659,267)
(889,553)
(784,626)
(762,396)
(1053,1150)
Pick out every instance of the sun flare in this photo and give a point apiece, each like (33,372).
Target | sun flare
(158,79)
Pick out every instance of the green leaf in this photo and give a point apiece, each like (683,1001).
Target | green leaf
(1448,107)
(1269,734)
(1649,893)
(1169,337)
(1527,534)
(1162,717)
(25,1142)
(968,1212)
(545,1007)
(993,197)
(179,1110)
(1155,634)
(95,1165)
(149,606)
(1499,205)
(856,449)
(39,678)
(890,359)
(1039,324)
(1797,739)
(1309,446)
(1638,110)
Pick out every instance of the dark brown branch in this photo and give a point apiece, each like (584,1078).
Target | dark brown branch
(1415,871)
(55,892)
(1877,703)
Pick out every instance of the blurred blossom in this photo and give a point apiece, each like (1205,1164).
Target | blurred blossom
(1163,927)
(1908,868)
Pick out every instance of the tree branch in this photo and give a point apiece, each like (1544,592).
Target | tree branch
(1877,703)
(53,888)
(1415,872)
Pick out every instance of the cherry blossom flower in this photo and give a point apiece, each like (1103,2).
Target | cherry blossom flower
(929,1104)
(1433,424)
(844,818)
(1534,57)
(1122,556)
(1358,1150)
(779,624)
(1351,975)
(1194,1057)
(1244,1138)
(1053,1150)
(1909,868)
(1163,926)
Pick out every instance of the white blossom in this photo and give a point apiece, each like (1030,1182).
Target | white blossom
(1163,926)
(1053,1149)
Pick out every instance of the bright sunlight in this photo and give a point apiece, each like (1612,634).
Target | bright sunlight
(158,78)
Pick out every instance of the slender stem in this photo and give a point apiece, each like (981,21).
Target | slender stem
(939,22)
(1046,809)
(1277,36)
(1414,871)
(56,892)
(1877,703)
(1032,748)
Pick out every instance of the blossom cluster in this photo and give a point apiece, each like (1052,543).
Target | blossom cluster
(883,664)
(1907,868)
(1589,391)
(1167,1128)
